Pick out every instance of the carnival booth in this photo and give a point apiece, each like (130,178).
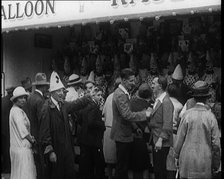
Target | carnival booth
(80,36)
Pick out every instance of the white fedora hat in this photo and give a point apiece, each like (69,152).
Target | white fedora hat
(74,79)
(19,91)
(40,79)
(55,82)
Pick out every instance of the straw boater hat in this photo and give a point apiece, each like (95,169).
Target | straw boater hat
(200,89)
(178,74)
(55,82)
(90,78)
(40,79)
(18,91)
(74,79)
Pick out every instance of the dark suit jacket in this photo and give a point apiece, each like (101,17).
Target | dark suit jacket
(92,126)
(121,127)
(161,122)
(33,108)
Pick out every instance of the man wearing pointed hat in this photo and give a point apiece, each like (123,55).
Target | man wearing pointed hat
(33,108)
(55,134)
(90,83)
(182,89)
(6,105)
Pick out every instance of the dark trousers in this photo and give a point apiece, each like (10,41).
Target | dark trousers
(92,165)
(159,162)
(123,157)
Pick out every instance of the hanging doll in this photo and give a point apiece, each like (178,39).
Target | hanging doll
(191,76)
(210,77)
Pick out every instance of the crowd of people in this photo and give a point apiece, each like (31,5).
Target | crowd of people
(166,127)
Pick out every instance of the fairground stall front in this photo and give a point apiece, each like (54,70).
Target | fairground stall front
(38,34)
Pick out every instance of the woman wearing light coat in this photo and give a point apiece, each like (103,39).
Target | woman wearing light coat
(197,147)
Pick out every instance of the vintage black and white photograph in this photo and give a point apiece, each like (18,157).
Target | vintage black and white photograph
(111,89)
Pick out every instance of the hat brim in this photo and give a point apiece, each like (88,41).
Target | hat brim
(201,95)
(74,83)
(40,83)
(14,97)
(89,81)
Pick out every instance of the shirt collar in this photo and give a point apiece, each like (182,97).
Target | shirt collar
(200,103)
(55,102)
(39,92)
(124,90)
(161,97)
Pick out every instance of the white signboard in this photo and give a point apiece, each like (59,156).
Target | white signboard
(32,13)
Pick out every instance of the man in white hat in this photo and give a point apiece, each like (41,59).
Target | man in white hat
(33,108)
(55,134)
(75,88)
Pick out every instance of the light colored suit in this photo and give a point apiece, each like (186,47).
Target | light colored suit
(161,122)
(121,127)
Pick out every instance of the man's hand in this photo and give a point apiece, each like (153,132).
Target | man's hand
(158,144)
(148,112)
(53,157)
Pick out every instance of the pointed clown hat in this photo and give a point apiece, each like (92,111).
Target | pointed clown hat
(178,74)
(153,64)
(55,82)
(91,78)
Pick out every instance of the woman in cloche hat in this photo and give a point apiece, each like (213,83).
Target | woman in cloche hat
(22,161)
(197,146)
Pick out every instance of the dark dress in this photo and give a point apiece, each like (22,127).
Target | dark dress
(140,156)
(55,135)
(92,163)
(5,109)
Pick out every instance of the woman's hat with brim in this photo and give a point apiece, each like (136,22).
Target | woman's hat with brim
(18,91)
(144,91)
(200,89)
(40,79)
(74,79)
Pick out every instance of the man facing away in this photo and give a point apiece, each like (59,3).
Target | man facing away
(121,131)
(33,110)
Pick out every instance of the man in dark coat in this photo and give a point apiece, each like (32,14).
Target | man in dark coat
(6,106)
(33,110)
(55,134)
(90,139)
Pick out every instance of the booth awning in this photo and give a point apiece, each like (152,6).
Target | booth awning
(48,13)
